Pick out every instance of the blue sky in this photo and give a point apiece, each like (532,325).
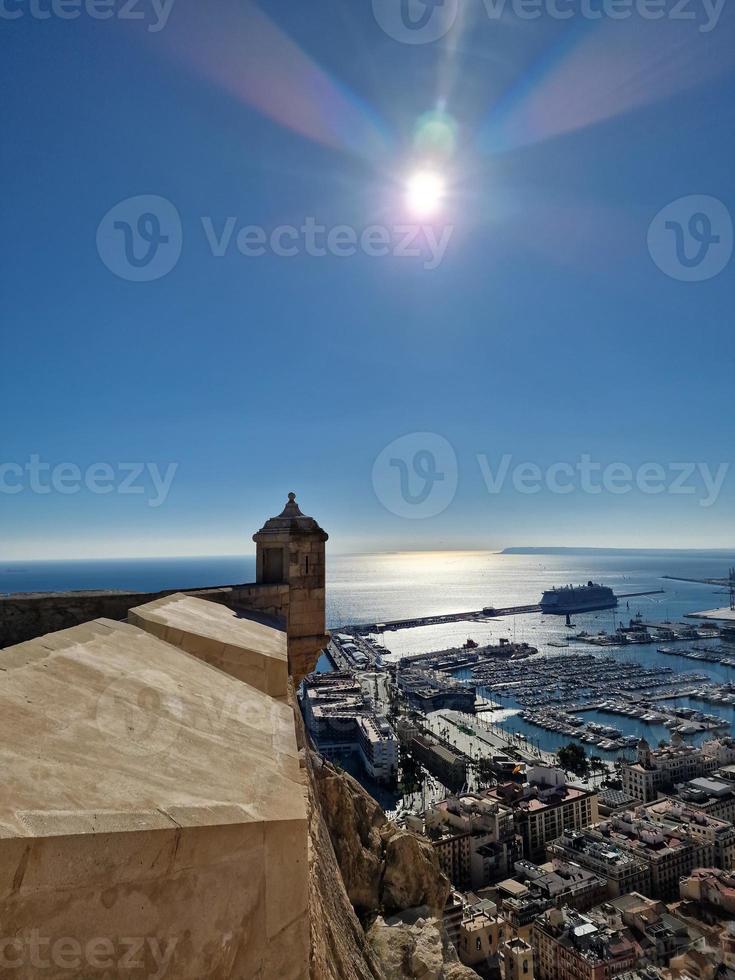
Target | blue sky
(547,332)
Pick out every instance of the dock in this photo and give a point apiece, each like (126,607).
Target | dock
(475,615)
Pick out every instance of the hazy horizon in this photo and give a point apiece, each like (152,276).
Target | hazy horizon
(549,550)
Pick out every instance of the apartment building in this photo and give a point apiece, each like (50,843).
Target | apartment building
(669,851)
(342,721)
(545,806)
(474,837)
(694,822)
(571,946)
(662,769)
(622,871)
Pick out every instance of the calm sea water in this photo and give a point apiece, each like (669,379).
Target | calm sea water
(374,588)
(393,586)
(127,574)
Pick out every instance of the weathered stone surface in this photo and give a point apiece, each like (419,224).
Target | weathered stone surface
(147,794)
(245,648)
(414,946)
(383,868)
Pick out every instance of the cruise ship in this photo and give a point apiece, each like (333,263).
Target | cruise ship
(578,598)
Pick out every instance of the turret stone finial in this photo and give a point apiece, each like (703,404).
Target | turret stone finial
(291,509)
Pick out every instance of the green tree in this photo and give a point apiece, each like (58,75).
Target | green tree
(412,772)
(597,765)
(572,758)
(484,771)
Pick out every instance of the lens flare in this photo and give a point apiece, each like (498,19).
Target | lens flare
(425,192)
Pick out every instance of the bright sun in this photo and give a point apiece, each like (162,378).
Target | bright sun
(425,192)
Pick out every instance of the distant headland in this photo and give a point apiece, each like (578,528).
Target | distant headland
(664,552)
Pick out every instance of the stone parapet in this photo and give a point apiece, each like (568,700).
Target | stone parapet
(148,798)
(244,648)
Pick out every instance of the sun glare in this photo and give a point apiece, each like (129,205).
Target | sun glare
(425,192)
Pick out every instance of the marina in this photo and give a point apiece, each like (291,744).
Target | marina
(601,678)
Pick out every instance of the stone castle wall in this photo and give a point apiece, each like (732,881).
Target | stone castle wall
(24,616)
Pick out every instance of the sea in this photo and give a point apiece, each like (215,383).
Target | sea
(375,588)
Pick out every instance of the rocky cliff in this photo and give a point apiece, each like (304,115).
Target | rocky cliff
(377,891)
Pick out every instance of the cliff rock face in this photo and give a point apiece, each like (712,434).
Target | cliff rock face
(415,947)
(339,947)
(384,869)
(361,863)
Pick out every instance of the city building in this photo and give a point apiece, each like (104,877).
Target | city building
(659,934)
(446,764)
(644,973)
(668,850)
(610,800)
(540,887)
(480,934)
(546,806)
(712,890)
(662,769)
(452,916)
(516,958)
(563,883)
(521,910)
(572,946)
(709,794)
(623,871)
(474,838)
(430,690)
(722,750)
(707,962)
(679,817)
(343,721)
